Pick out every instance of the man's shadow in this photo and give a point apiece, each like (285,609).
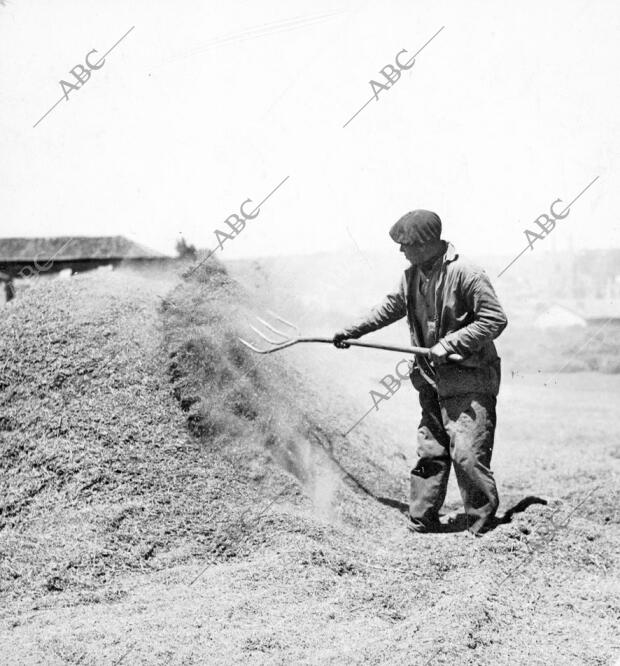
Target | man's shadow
(459,523)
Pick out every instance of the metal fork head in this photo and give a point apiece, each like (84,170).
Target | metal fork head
(287,338)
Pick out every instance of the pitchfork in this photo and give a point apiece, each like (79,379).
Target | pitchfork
(294,338)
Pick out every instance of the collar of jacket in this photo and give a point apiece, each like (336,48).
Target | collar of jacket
(449,255)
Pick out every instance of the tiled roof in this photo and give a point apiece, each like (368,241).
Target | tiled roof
(68,248)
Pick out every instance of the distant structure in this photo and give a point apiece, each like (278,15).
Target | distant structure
(597,275)
(559,316)
(581,312)
(599,311)
(27,257)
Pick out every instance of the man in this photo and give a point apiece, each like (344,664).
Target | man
(451,307)
(9,287)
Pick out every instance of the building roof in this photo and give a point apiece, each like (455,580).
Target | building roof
(558,316)
(593,308)
(73,248)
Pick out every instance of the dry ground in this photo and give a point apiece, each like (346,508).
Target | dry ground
(169,499)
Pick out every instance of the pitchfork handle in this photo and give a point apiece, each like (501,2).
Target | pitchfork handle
(422,351)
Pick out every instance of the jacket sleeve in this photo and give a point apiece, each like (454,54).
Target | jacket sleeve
(392,308)
(489,319)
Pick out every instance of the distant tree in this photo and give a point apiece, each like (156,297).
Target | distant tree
(184,250)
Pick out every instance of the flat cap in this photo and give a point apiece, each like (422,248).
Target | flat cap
(417,226)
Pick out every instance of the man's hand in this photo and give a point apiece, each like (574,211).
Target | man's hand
(439,354)
(339,340)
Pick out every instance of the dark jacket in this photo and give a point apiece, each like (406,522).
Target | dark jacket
(469,317)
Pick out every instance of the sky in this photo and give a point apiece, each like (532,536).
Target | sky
(204,105)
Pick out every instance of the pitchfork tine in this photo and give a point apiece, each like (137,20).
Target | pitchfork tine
(264,337)
(273,330)
(288,323)
(276,345)
(252,347)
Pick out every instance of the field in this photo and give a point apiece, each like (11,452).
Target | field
(170,498)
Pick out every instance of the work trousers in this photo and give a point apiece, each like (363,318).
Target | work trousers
(457,430)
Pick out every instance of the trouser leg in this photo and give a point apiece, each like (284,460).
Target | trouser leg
(429,478)
(470,422)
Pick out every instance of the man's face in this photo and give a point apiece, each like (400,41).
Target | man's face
(418,253)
